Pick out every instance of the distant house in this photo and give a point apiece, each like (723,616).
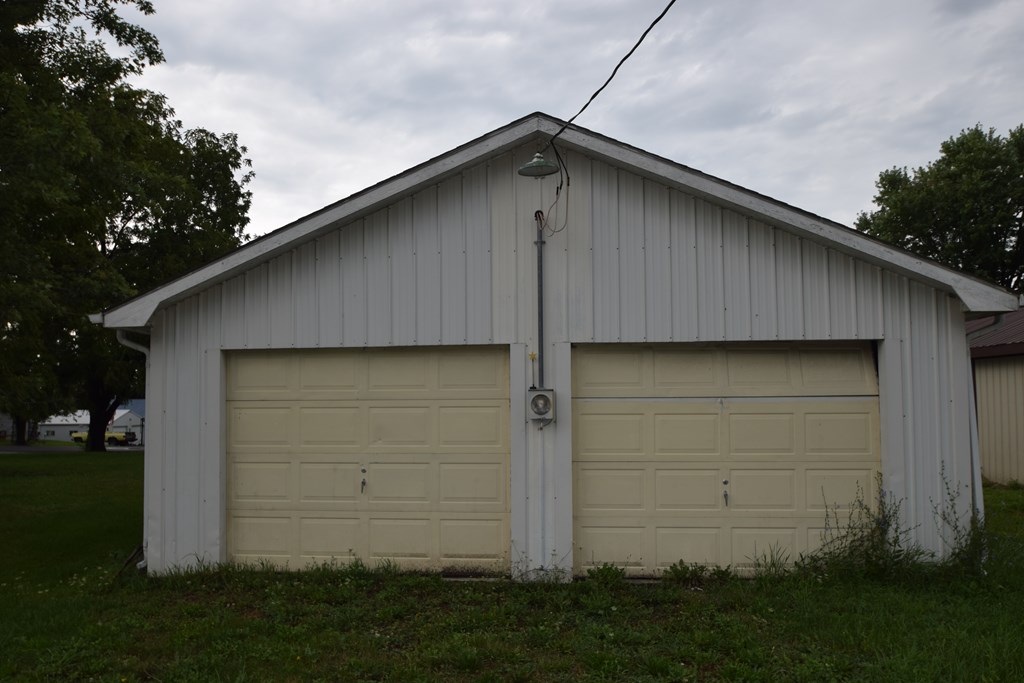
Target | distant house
(997,354)
(61,427)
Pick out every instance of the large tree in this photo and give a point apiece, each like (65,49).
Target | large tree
(966,209)
(104,194)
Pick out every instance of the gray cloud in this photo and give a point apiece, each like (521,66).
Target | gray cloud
(804,101)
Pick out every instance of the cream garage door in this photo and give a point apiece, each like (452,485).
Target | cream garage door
(398,454)
(717,454)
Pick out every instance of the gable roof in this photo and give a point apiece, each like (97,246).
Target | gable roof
(976,295)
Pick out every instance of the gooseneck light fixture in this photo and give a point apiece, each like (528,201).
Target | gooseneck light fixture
(538,167)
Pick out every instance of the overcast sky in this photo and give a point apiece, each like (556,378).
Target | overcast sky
(804,101)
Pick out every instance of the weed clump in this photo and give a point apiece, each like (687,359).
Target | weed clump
(871,544)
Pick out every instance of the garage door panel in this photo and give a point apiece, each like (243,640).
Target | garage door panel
(261,482)
(838,372)
(472,374)
(759,544)
(829,489)
(401,539)
(686,434)
(700,545)
(756,372)
(261,373)
(473,426)
(762,489)
(260,426)
(660,439)
(329,482)
(471,541)
(399,374)
(331,374)
(841,433)
(682,373)
(400,427)
(254,537)
(399,482)
(762,433)
(623,546)
(600,490)
(427,429)
(331,426)
(324,538)
(610,373)
(481,482)
(688,490)
(603,433)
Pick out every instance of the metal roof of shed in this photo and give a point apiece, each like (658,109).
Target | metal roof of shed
(1001,335)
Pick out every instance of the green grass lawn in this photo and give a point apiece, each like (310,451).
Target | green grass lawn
(69,520)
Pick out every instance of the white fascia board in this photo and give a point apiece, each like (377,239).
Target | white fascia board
(976,295)
(137,312)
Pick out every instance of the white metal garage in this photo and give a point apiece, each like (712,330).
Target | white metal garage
(805,356)
(370,454)
(717,454)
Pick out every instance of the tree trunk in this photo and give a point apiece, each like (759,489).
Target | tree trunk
(20,431)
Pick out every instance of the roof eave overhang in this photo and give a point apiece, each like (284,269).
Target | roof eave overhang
(975,295)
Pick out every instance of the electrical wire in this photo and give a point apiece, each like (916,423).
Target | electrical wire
(614,71)
(565,178)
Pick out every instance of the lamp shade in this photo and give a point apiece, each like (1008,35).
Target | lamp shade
(538,167)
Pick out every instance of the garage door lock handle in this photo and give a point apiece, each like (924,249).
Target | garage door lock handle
(725,492)
(362,487)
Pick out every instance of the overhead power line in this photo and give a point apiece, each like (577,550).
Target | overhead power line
(614,71)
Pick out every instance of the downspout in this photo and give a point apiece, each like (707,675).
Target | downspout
(123,339)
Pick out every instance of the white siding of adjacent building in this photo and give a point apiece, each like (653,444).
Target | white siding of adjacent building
(637,262)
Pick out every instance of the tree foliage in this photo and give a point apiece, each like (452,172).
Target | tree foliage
(966,209)
(104,194)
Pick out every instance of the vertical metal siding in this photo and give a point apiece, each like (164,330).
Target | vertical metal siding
(377,262)
(329,292)
(868,299)
(685,290)
(604,212)
(579,237)
(210,438)
(354,285)
(402,261)
(842,290)
(479,277)
(256,311)
(427,257)
(816,291)
(632,294)
(710,273)
(658,261)
(736,281)
(763,295)
(789,291)
(232,321)
(503,226)
(999,383)
(454,278)
(306,297)
(281,301)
